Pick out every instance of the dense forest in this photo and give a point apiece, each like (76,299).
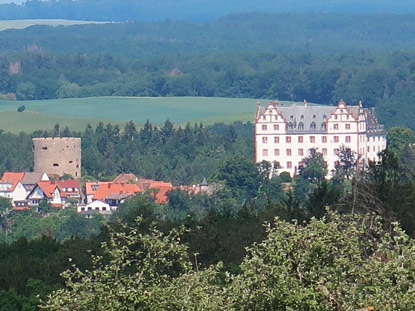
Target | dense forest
(194,10)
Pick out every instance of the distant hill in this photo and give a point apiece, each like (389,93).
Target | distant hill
(248,32)
(193,10)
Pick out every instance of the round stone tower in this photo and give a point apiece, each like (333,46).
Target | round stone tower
(57,156)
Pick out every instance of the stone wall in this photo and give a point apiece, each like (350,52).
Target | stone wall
(57,156)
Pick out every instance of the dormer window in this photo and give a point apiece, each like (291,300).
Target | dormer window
(323,126)
(312,126)
(314,116)
(301,125)
(324,117)
(291,117)
(302,116)
(290,126)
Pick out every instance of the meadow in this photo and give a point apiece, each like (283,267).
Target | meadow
(76,113)
(24,23)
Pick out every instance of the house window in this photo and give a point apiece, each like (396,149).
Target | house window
(265,140)
(324,150)
(336,126)
(289,164)
(336,139)
(44,148)
(312,139)
(288,152)
(324,139)
(104,208)
(288,139)
(55,164)
(276,140)
(348,139)
(265,152)
(276,127)
(276,152)
(300,139)
(301,152)
(348,126)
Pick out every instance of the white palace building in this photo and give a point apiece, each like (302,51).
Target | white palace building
(287,133)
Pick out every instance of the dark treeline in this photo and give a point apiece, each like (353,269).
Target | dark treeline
(250,32)
(201,10)
(181,155)
(383,81)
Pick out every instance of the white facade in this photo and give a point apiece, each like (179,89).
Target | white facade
(287,134)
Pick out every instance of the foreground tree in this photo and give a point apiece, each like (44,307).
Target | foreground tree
(336,263)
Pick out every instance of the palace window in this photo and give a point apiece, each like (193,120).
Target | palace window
(336,151)
(289,164)
(336,139)
(324,139)
(265,152)
(348,126)
(264,127)
(312,139)
(336,126)
(276,127)
(265,140)
(348,139)
(276,152)
(368,149)
(301,152)
(288,139)
(288,152)
(276,140)
(324,150)
(300,139)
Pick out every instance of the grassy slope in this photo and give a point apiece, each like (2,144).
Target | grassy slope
(24,23)
(77,112)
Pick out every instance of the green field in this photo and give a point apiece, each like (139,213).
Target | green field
(77,112)
(23,23)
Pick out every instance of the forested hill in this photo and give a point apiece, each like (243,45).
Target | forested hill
(194,10)
(282,33)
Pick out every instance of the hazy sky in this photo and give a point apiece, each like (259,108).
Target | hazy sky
(10,1)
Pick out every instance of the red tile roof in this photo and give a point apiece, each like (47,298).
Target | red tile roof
(163,188)
(69,183)
(125,179)
(12,178)
(48,187)
(112,189)
(92,187)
